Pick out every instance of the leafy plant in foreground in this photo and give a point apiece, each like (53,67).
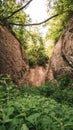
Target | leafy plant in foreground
(22,109)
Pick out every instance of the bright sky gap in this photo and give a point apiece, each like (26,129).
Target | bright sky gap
(37,10)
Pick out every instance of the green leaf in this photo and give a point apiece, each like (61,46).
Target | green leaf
(24,127)
(68,124)
(14,124)
(33,118)
(2,127)
(10,111)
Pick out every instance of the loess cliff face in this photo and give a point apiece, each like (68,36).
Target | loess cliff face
(37,75)
(62,58)
(13,60)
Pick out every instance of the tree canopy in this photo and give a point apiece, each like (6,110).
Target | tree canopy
(57,25)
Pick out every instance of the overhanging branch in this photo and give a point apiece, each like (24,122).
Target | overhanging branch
(16,11)
(35,24)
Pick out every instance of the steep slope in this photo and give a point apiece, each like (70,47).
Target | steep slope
(13,60)
(62,58)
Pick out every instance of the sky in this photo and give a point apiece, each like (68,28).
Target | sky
(37,11)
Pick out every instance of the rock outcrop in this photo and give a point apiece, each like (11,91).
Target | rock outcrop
(13,60)
(62,58)
(37,75)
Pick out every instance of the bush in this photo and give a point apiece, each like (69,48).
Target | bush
(37,55)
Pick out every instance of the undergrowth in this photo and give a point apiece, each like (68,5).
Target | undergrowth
(49,107)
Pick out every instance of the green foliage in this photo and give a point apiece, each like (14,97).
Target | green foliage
(58,24)
(64,5)
(57,27)
(37,55)
(64,80)
(36,50)
(31,109)
(62,94)
(7,8)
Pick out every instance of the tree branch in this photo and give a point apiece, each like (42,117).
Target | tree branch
(35,24)
(16,11)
